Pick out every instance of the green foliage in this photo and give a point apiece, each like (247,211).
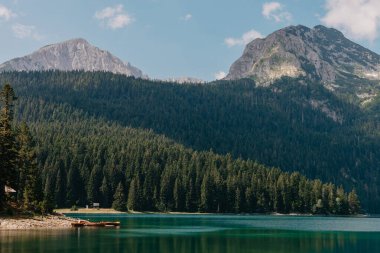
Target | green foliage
(30,182)
(46,206)
(119,199)
(353,202)
(18,160)
(105,192)
(84,119)
(8,145)
(133,200)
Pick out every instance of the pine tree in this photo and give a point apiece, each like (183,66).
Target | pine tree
(93,193)
(74,187)
(47,205)
(119,199)
(60,184)
(104,192)
(178,195)
(250,201)
(332,205)
(206,198)
(341,201)
(190,197)
(8,151)
(166,191)
(31,187)
(238,201)
(133,196)
(353,202)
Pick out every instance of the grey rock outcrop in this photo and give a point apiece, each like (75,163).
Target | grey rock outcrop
(320,53)
(76,54)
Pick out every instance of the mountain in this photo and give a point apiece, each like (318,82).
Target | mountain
(75,54)
(85,157)
(284,125)
(320,53)
(294,123)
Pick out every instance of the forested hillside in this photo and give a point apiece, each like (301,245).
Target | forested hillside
(85,160)
(293,125)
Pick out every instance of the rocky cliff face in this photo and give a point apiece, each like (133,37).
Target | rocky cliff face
(76,54)
(320,53)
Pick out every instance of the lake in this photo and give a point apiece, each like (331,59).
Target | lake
(150,233)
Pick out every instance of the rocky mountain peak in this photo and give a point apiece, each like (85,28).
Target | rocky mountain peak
(319,53)
(75,54)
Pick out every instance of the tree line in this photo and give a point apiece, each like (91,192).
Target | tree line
(82,159)
(294,125)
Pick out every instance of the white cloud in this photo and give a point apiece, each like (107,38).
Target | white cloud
(25,31)
(269,8)
(244,39)
(187,17)
(220,75)
(359,19)
(276,12)
(114,17)
(6,13)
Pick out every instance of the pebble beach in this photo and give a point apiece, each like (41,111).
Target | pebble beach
(37,222)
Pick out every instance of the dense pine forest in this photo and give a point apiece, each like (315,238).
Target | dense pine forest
(18,162)
(91,146)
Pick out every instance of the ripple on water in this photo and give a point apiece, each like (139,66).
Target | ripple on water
(190,230)
(317,224)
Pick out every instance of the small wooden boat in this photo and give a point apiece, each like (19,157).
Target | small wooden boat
(95,224)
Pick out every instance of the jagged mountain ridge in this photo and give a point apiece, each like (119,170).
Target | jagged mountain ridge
(319,53)
(75,54)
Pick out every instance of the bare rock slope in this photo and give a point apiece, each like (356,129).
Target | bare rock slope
(76,54)
(320,53)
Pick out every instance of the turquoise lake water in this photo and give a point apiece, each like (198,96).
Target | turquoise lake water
(203,233)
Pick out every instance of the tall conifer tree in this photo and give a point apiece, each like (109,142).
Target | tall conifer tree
(31,187)
(8,152)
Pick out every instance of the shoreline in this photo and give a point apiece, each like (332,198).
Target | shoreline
(106,211)
(36,222)
(61,221)
(65,211)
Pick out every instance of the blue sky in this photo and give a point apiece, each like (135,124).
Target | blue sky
(173,38)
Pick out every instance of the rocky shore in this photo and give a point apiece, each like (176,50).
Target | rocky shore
(36,222)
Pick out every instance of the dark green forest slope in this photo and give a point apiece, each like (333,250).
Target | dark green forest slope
(277,126)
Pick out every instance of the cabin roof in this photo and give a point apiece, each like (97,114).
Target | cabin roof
(9,189)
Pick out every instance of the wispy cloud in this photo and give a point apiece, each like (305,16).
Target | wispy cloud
(359,19)
(276,11)
(244,39)
(6,13)
(220,75)
(26,31)
(187,17)
(114,17)
(19,30)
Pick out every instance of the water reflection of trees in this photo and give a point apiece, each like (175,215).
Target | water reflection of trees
(163,241)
